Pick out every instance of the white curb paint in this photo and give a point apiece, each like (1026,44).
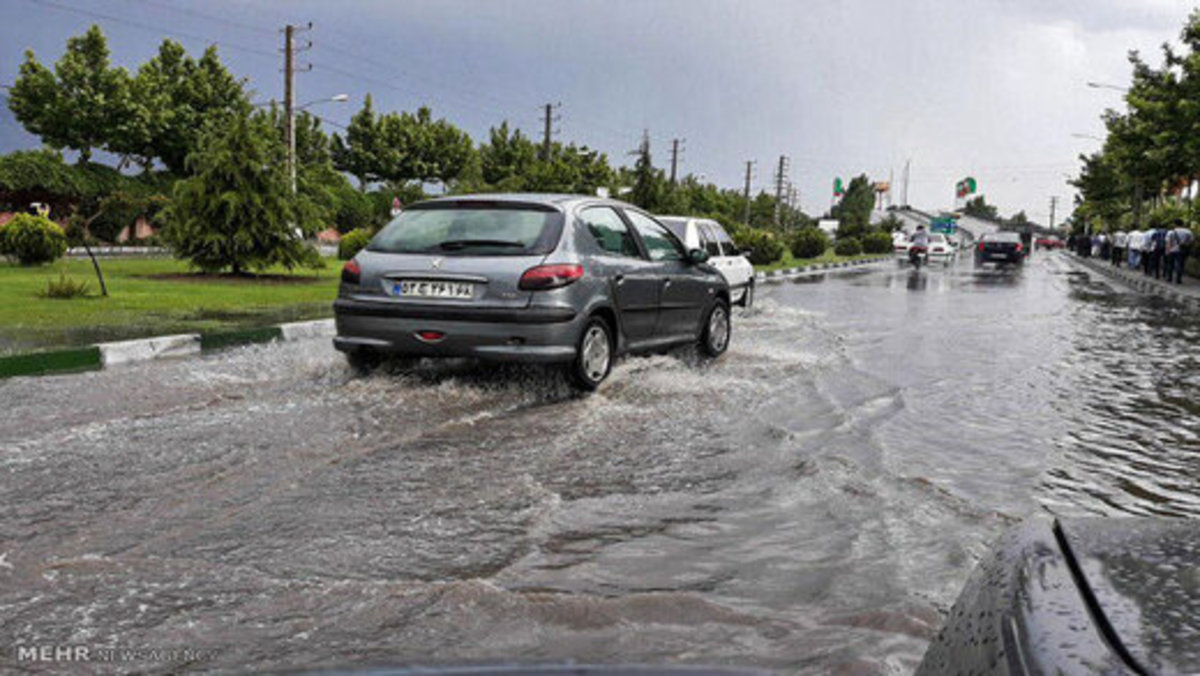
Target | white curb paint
(320,328)
(159,347)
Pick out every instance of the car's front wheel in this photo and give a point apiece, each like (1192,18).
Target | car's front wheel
(714,338)
(593,355)
(748,295)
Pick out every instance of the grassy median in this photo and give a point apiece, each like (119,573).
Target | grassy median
(828,257)
(151,296)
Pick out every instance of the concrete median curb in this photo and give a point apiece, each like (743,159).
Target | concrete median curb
(105,355)
(844,266)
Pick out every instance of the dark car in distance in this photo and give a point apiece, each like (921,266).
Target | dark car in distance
(1000,248)
(563,279)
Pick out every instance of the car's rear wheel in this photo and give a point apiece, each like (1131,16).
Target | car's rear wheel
(593,355)
(714,338)
(748,295)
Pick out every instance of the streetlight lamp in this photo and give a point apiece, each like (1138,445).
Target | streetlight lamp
(1102,85)
(1087,136)
(336,98)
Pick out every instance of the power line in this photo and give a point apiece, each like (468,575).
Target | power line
(152,28)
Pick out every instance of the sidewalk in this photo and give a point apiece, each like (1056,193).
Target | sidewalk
(1188,292)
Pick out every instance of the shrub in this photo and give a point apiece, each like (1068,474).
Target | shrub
(847,247)
(354,212)
(809,243)
(765,246)
(877,243)
(353,242)
(32,240)
(66,288)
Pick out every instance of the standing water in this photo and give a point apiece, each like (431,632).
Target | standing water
(811,501)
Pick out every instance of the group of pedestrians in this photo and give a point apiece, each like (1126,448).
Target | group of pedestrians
(1160,253)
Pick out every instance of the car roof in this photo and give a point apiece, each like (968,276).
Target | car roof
(559,200)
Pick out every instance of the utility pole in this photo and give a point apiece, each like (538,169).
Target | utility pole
(674,157)
(289,96)
(780,178)
(891,185)
(904,193)
(746,192)
(548,130)
(1053,205)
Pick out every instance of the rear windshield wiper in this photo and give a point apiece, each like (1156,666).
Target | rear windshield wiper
(456,244)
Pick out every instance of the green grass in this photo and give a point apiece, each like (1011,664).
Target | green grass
(140,305)
(828,257)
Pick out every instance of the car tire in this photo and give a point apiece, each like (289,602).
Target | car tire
(364,361)
(593,355)
(715,332)
(748,295)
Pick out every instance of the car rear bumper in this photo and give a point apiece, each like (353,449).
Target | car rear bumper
(546,334)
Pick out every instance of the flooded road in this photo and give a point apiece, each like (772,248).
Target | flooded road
(812,502)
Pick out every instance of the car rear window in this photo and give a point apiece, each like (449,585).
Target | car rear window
(1001,237)
(471,228)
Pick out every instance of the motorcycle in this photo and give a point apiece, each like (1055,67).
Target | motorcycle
(918,255)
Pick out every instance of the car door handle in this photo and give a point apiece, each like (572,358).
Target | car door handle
(666,282)
(619,279)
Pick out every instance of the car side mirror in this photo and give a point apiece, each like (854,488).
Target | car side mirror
(747,252)
(697,256)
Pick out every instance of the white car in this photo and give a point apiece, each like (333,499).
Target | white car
(723,254)
(941,248)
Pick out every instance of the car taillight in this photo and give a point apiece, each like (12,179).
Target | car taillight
(549,277)
(351,273)
(980,247)
(1019,248)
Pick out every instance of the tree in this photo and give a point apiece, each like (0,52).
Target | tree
(506,157)
(979,208)
(176,96)
(236,210)
(361,152)
(82,105)
(648,183)
(853,212)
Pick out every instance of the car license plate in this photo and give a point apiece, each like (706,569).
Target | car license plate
(997,255)
(430,288)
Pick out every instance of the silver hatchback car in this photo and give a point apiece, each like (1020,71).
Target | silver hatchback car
(538,278)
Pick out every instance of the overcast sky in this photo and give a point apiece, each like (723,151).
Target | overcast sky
(988,88)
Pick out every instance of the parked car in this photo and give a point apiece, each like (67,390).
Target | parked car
(723,254)
(1050,243)
(1001,248)
(533,278)
(1078,596)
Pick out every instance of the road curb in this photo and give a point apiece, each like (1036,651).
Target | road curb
(179,346)
(1136,281)
(789,273)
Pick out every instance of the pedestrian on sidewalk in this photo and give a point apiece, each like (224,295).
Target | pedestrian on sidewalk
(1147,251)
(1105,246)
(1118,250)
(1159,240)
(1170,254)
(1134,242)
(1186,238)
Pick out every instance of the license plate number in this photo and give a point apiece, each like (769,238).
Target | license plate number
(431,288)
(997,255)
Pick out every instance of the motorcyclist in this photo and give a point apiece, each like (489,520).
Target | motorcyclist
(918,244)
(920,237)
